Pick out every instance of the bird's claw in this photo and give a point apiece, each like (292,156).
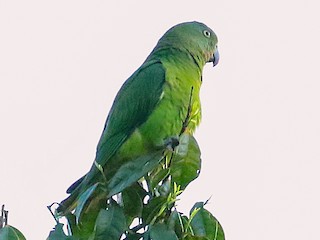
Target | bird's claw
(171,143)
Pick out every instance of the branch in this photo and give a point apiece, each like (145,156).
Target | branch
(3,217)
(187,119)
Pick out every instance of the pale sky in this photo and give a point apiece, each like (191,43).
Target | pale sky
(62,62)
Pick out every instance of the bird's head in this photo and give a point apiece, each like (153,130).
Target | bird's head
(196,38)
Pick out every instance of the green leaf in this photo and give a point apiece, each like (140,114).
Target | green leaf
(132,171)
(10,233)
(83,201)
(185,168)
(160,232)
(204,224)
(159,176)
(175,223)
(182,148)
(190,237)
(89,205)
(110,223)
(132,200)
(179,223)
(152,209)
(165,188)
(72,225)
(58,234)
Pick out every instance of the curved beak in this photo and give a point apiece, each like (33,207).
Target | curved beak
(215,58)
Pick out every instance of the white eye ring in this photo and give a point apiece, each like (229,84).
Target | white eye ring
(206,33)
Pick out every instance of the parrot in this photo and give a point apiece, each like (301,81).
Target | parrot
(151,108)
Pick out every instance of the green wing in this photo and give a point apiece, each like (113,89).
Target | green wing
(132,106)
(134,103)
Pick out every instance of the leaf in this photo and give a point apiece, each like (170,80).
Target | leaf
(204,224)
(165,188)
(72,225)
(89,205)
(133,171)
(58,234)
(132,200)
(182,148)
(11,233)
(190,237)
(83,201)
(159,176)
(110,223)
(175,223)
(179,223)
(186,168)
(160,232)
(152,209)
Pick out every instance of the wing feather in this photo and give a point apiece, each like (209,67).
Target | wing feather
(134,103)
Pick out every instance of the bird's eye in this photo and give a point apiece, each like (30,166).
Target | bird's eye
(206,33)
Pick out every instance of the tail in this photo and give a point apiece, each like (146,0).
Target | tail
(75,185)
(75,190)
(70,203)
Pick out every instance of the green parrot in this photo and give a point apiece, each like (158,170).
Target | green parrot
(155,105)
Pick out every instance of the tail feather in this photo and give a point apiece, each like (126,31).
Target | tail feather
(68,204)
(75,185)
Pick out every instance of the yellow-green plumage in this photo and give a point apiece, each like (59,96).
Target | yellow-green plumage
(182,80)
(153,103)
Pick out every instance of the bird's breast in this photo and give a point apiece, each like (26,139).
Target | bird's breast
(178,104)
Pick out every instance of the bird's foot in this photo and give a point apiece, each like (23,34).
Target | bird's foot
(171,143)
(179,145)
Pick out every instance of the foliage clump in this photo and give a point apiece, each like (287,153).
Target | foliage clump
(139,202)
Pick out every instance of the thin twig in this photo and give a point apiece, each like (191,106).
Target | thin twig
(3,217)
(49,208)
(6,215)
(187,119)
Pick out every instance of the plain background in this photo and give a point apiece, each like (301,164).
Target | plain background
(62,62)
